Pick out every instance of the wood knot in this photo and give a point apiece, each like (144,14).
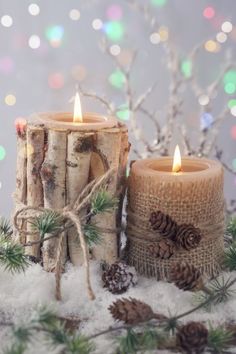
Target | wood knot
(48,176)
(83,145)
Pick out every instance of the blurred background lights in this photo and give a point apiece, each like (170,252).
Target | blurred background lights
(229,81)
(55,35)
(34,41)
(56,81)
(233,111)
(10,100)
(79,72)
(206,120)
(115,49)
(123,113)
(209,12)
(34,9)
(155,38)
(186,68)
(74,14)
(6,65)
(159,3)
(212,46)
(97,24)
(232,103)
(227,27)
(221,37)
(234,164)
(117,79)
(203,100)
(114,30)
(114,12)
(230,88)
(6,21)
(2,153)
(164,33)
(233,132)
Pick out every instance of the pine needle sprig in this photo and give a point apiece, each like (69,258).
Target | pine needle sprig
(45,318)
(219,339)
(231,228)
(22,334)
(16,348)
(128,343)
(79,344)
(230,257)
(12,256)
(47,223)
(103,202)
(5,228)
(92,234)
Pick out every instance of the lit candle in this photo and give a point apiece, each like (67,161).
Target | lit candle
(191,193)
(64,152)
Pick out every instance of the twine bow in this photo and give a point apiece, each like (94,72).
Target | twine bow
(70,212)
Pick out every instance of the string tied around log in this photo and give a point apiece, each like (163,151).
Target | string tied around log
(70,212)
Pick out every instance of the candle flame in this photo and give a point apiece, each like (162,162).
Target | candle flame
(176,167)
(77,110)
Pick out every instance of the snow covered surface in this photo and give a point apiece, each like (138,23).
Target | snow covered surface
(22,294)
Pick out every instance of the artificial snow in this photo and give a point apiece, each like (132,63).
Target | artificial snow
(22,294)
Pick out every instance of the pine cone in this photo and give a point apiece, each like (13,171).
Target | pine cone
(186,276)
(192,337)
(131,311)
(163,249)
(118,277)
(163,224)
(188,236)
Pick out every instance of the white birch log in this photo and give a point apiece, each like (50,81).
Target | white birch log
(20,194)
(77,176)
(53,175)
(35,156)
(108,146)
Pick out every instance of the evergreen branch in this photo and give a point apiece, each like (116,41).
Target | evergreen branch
(129,343)
(92,234)
(47,223)
(230,257)
(231,228)
(103,202)
(5,228)
(219,339)
(16,348)
(12,256)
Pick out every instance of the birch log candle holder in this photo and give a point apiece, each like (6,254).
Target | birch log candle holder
(57,157)
(175,216)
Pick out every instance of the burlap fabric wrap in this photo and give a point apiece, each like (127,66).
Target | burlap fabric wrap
(198,200)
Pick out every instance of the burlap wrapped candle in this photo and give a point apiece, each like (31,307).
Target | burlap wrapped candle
(187,206)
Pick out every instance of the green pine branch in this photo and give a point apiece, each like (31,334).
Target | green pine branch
(15,348)
(231,228)
(219,339)
(47,223)
(92,234)
(230,257)
(5,228)
(12,256)
(103,202)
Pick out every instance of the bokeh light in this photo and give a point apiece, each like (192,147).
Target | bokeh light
(6,21)
(34,41)
(115,49)
(6,65)
(227,27)
(114,30)
(206,120)
(230,88)
(209,12)
(2,153)
(203,100)
(123,113)
(233,132)
(212,46)
(155,38)
(117,79)
(54,34)
(233,111)
(186,68)
(159,3)
(114,12)
(79,72)
(10,100)
(97,24)
(164,33)
(221,37)
(232,103)
(234,164)
(34,9)
(56,80)
(74,14)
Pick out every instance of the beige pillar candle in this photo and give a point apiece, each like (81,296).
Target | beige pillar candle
(192,196)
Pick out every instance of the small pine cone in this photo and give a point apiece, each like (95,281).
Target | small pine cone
(186,276)
(188,236)
(192,338)
(163,249)
(131,311)
(163,224)
(118,277)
